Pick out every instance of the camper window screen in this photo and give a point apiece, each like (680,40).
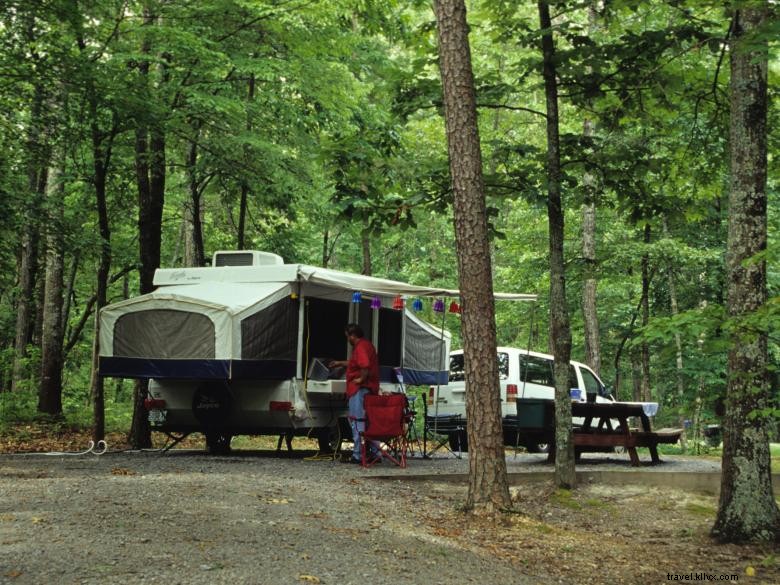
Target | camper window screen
(424,351)
(272,333)
(164,334)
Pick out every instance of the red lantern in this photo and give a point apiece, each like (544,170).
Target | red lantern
(398,303)
(454,307)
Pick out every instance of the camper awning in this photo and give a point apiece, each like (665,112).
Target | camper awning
(302,273)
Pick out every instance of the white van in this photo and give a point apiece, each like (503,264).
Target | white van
(522,374)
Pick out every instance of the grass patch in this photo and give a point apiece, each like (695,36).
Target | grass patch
(701,510)
(565,499)
(595,503)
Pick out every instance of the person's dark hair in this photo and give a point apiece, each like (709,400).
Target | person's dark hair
(354,329)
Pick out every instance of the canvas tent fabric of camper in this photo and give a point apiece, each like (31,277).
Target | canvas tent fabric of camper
(265,322)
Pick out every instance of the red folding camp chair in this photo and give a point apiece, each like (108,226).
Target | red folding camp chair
(386,426)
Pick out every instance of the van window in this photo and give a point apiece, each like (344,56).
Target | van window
(503,366)
(458,370)
(536,370)
(573,377)
(592,385)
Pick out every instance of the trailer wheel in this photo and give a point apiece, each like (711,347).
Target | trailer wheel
(533,447)
(218,443)
(329,439)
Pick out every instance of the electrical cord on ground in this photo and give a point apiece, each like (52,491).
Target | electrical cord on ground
(102,447)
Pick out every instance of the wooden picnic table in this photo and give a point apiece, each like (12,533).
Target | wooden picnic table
(597,429)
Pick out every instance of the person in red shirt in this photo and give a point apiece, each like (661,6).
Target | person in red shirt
(362,378)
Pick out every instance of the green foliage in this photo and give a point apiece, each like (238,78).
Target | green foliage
(343,137)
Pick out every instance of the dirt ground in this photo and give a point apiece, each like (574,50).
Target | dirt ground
(183,526)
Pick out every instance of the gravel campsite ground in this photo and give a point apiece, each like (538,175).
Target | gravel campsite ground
(255,517)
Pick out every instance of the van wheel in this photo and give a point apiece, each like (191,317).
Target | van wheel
(329,439)
(532,447)
(218,443)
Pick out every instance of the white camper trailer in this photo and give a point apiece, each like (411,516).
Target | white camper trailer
(237,348)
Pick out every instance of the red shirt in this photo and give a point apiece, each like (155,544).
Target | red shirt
(363,357)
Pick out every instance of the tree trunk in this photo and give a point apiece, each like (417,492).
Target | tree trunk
(560,332)
(150,175)
(325,254)
(50,390)
(645,390)
(28,256)
(488,488)
(194,254)
(589,305)
(100,162)
(747,509)
(672,284)
(365,241)
(250,97)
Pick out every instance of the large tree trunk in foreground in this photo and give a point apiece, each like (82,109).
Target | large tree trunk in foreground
(747,509)
(488,487)
(560,332)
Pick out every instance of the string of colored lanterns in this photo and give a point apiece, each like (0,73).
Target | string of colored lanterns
(399,304)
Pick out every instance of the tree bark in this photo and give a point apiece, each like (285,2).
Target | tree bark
(673,305)
(560,332)
(50,390)
(250,97)
(102,142)
(645,348)
(150,174)
(28,255)
(590,283)
(488,488)
(365,241)
(194,254)
(747,509)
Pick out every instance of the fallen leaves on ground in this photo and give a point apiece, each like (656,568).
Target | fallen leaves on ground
(603,534)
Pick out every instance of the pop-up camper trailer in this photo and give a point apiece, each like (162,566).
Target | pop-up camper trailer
(239,347)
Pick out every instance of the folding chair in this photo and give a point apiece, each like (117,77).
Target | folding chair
(414,444)
(448,431)
(386,423)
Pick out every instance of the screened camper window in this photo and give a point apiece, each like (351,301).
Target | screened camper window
(423,350)
(271,334)
(389,337)
(324,323)
(164,334)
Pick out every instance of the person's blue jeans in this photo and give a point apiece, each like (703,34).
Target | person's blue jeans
(357,415)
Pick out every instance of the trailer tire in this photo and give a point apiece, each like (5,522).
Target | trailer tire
(218,443)
(329,439)
(534,447)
